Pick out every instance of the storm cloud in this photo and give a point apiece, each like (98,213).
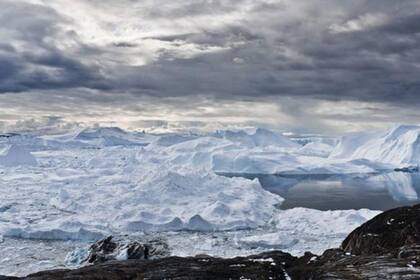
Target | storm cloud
(299,55)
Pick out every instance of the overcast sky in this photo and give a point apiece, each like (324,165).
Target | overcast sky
(318,66)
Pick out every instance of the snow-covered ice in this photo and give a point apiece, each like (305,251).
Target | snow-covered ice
(87,193)
(398,146)
(17,155)
(83,185)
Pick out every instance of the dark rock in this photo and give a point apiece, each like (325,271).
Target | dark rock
(386,233)
(409,169)
(333,264)
(409,252)
(337,264)
(124,248)
(264,266)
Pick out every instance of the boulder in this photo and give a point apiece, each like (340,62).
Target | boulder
(119,248)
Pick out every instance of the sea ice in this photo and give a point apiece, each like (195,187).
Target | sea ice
(16,156)
(88,184)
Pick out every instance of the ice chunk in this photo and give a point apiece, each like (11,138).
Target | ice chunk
(16,156)
(54,234)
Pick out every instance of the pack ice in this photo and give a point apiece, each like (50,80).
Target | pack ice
(98,181)
(16,156)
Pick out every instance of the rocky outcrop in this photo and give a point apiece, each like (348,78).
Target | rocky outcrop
(386,233)
(337,264)
(333,264)
(264,266)
(124,248)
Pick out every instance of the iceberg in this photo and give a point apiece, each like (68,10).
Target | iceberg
(399,146)
(260,138)
(17,156)
(150,201)
(174,182)
(112,136)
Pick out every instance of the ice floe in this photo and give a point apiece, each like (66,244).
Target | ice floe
(16,156)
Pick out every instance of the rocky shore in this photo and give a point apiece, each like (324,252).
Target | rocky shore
(386,247)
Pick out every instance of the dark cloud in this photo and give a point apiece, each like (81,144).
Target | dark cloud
(365,51)
(183,9)
(31,58)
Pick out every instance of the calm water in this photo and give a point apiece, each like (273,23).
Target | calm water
(332,192)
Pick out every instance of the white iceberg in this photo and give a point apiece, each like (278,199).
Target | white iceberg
(17,156)
(399,146)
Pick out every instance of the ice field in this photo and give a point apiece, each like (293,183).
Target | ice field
(61,192)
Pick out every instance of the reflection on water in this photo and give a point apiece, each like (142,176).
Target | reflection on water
(331,192)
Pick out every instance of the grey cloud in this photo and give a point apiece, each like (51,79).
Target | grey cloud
(236,50)
(193,8)
(31,58)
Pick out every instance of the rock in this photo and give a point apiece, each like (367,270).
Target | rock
(118,248)
(409,252)
(264,266)
(386,233)
(337,264)
(408,169)
(333,264)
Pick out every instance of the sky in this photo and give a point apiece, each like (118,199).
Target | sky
(315,66)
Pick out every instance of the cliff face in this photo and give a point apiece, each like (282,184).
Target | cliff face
(386,247)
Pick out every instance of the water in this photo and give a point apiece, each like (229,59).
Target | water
(341,192)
